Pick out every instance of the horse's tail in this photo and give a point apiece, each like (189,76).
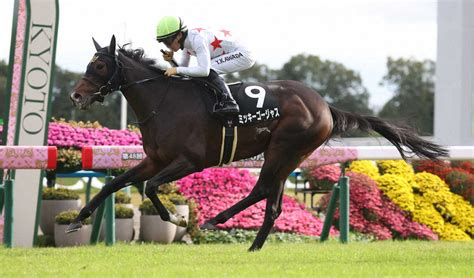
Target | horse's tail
(400,136)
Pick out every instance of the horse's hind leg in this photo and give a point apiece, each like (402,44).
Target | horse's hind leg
(257,194)
(274,173)
(281,158)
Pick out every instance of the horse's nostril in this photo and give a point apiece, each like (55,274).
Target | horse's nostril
(76,96)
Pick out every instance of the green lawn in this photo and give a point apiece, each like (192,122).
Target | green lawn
(356,259)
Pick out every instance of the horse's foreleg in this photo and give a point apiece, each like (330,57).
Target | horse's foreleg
(175,170)
(139,173)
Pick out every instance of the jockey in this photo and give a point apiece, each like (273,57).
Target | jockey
(217,52)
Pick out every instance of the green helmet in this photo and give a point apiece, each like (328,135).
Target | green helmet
(169,26)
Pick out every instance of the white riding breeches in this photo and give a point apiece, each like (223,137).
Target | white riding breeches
(232,62)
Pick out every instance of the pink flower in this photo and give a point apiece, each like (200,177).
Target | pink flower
(63,135)
(330,173)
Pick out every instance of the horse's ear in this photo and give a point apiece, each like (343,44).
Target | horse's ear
(112,46)
(97,46)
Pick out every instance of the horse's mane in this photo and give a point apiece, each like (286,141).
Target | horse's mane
(139,56)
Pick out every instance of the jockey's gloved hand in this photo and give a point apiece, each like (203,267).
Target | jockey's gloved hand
(167,55)
(171,71)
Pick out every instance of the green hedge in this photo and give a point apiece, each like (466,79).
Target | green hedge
(122,198)
(147,207)
(122,212)
(66,218)
(59,194)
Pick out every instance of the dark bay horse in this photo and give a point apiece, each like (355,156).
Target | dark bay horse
(180,137)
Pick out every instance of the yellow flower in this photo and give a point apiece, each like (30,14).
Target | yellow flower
(429,200)
(452,207)
(366,167)
(452,232)
(396,167)
(398,190)
(426,196)
(429,182)
(425,213)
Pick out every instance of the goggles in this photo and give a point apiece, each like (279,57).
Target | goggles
(168,40)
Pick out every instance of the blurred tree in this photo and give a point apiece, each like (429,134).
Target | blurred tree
(413,84)
(340,87)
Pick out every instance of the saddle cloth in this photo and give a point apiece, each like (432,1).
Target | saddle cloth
(257,104)
(256,101)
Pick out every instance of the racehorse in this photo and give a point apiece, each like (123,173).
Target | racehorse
(181,137)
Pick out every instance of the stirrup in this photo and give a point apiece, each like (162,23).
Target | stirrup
(219,108)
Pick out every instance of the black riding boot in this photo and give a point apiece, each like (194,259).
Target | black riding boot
(227,104)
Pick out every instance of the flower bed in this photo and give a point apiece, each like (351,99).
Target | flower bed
(453,208)
(459,176)
(427,198)
(462,184)
(323,177)
(216,189)
(441,169)
(398,189)
(366,167)
(72,134)
(465,165)
(372,213)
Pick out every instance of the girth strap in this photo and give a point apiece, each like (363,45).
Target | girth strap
(229,145)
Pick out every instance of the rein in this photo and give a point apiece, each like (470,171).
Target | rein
(153,112)
(139,82)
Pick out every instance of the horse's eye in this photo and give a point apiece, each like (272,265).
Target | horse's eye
(99,66)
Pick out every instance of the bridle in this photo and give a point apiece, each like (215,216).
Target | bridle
(112,85)
(114,82)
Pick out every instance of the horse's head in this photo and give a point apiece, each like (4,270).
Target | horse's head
(101,78)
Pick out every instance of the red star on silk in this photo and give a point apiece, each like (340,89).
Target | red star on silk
(216,43)
(226,33)
(199,29)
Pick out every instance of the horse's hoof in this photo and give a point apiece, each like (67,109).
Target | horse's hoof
(178,220)
(208,226)
(73,227)
(254,248)
(183,223)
